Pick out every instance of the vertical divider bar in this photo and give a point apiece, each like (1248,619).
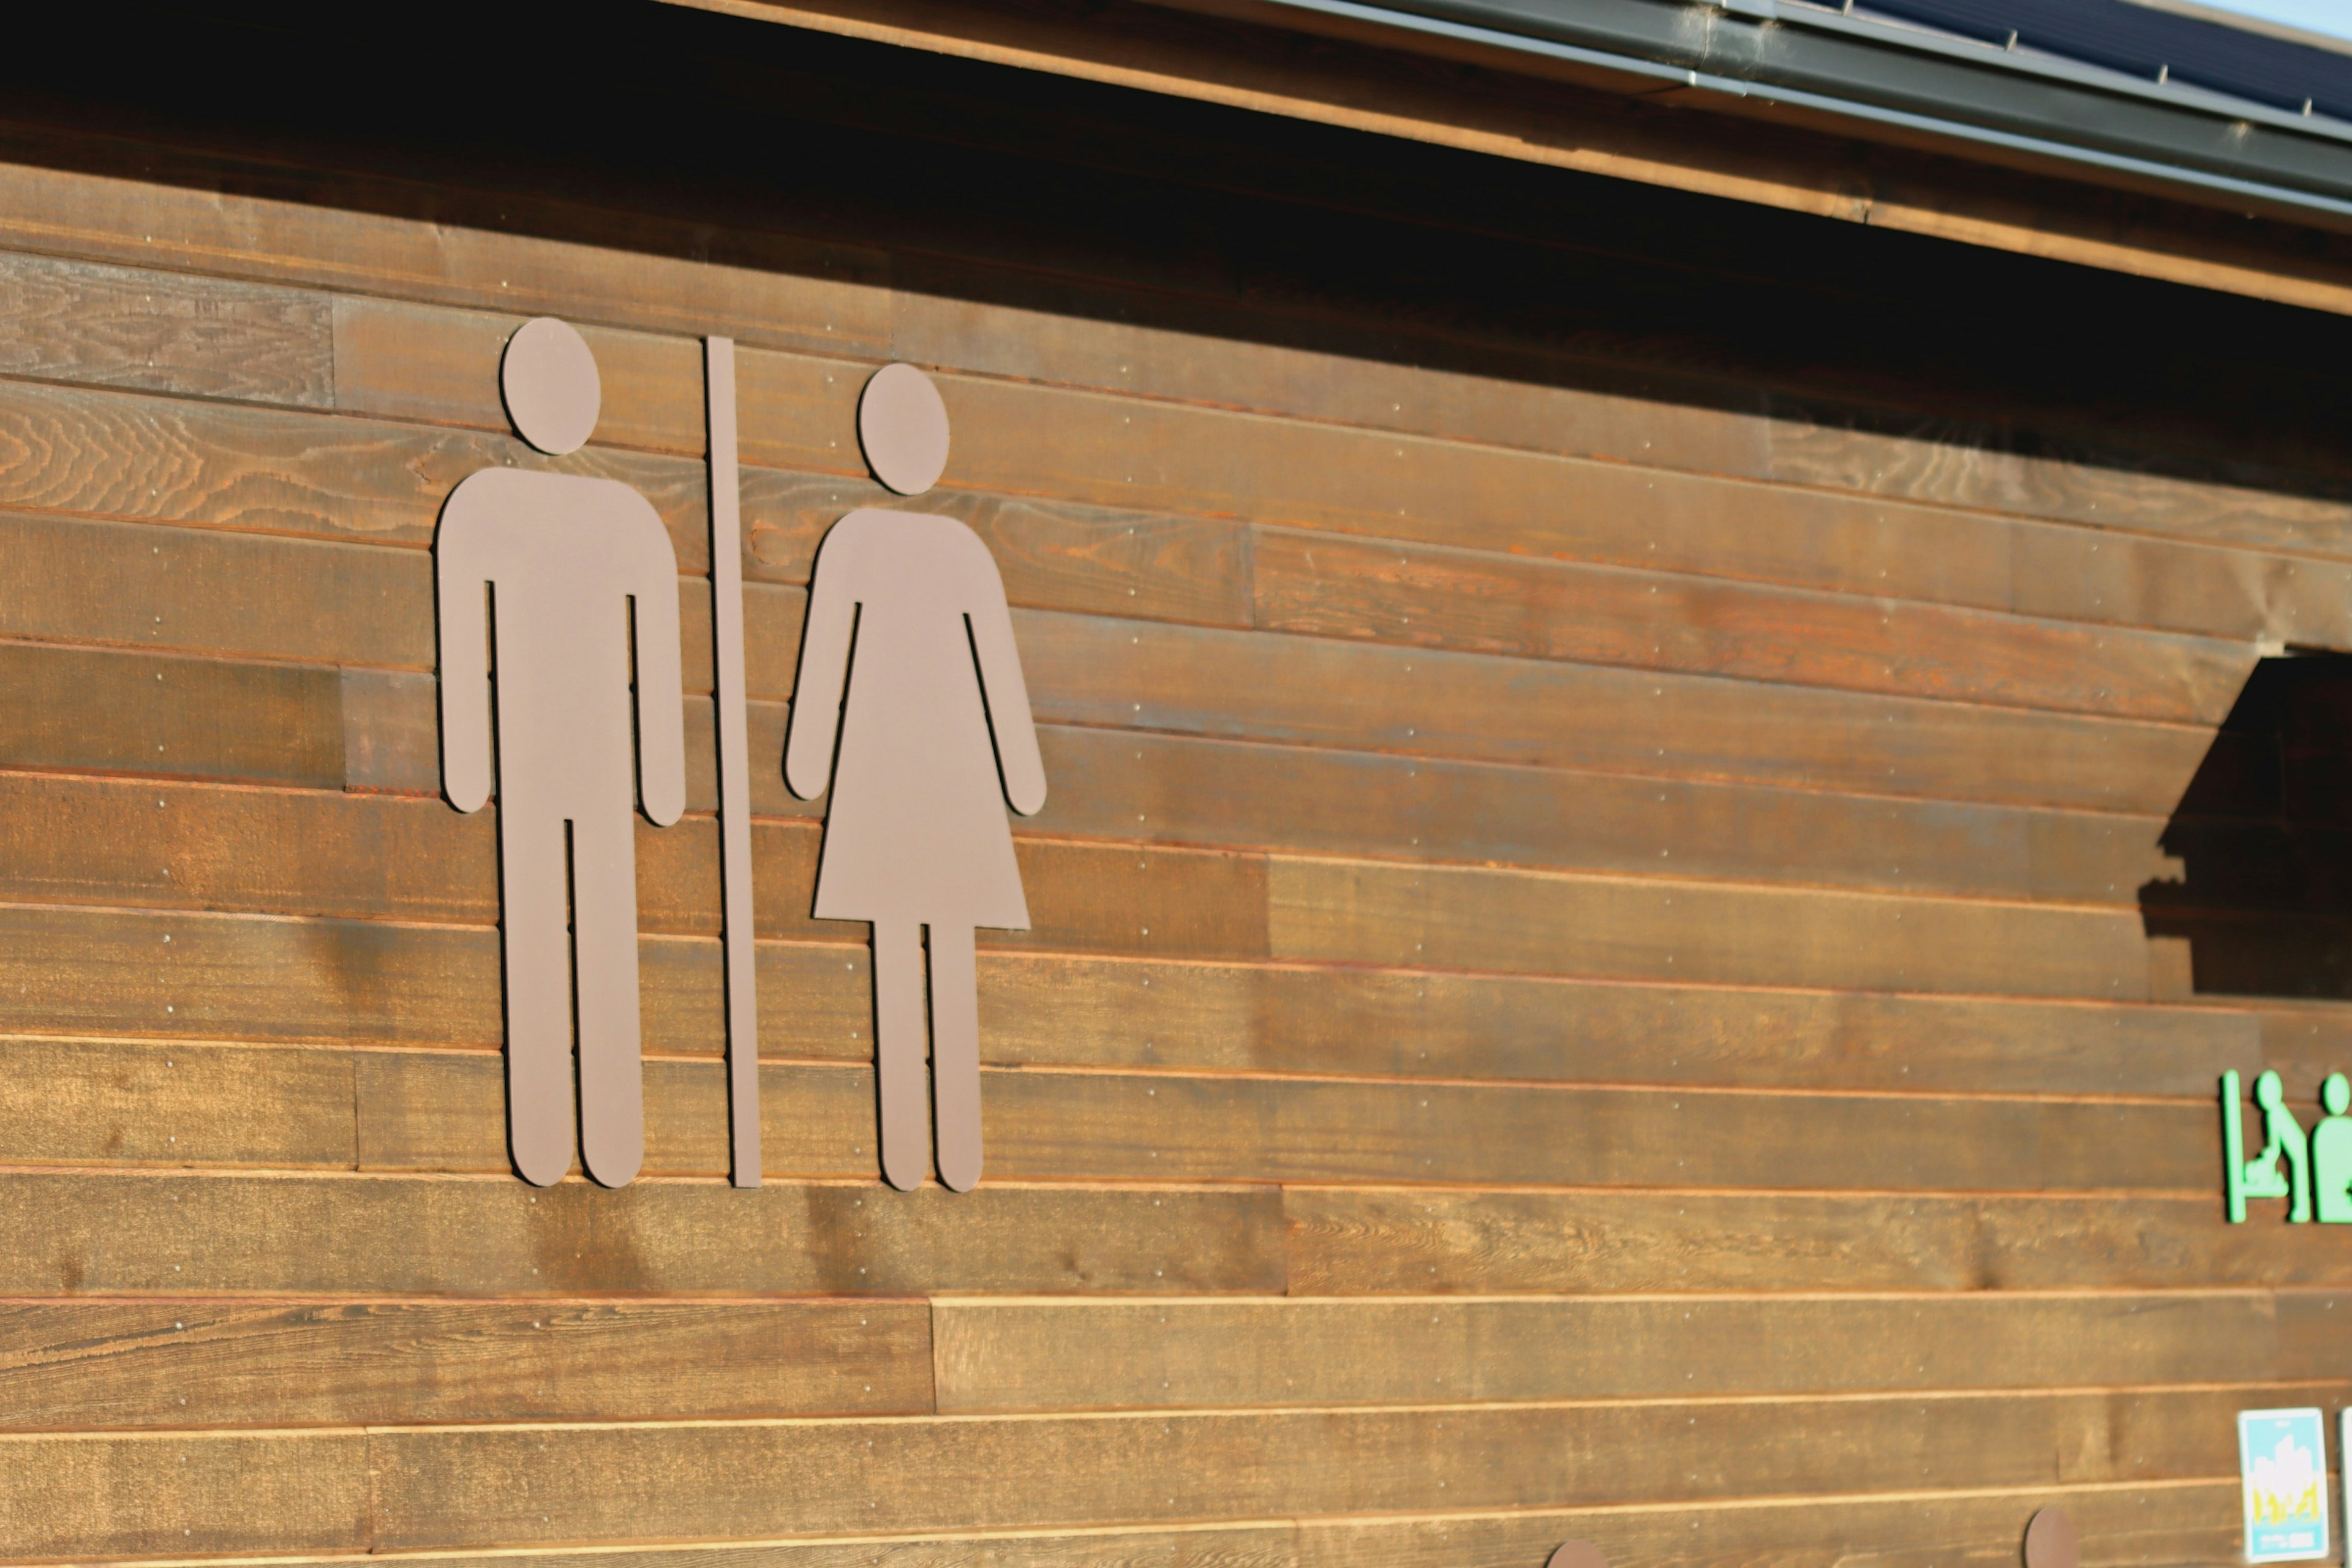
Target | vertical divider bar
(733,725)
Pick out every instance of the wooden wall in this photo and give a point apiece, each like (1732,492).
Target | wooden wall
(1590,975)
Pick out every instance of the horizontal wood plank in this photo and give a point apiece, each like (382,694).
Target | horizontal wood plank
(123,1104)
(416,361)
(378,732)
(1119,451)
(1653,929)
(2149,1526)
(182,1493)
(234,594)
(398,359)
(1657,620)
(1052,554)
(157,331)
(100,1365)
(1072,1010)
(223,977)
(1249,357)
(1318,801)
(445,1111)
(1434,704)
(1014,1355)
(794,292)
(386,857)
(105,1234)
(139,458)
(556,1485)
(2183,1521)
(89,710)
(210,591)
(1355,1242)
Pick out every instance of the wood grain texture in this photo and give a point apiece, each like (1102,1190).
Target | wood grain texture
(445,1111)
(633,1484)
(184,1493)
(382,614)
(93,973)
(329,1237)
(166,974)
(208,591)
(273,851)
(1014,1355)
(1657,620)
(2184,1521)
(379,857)
(1319,801)
(156,331)
(408,361)
(122,1104)
(1073,1010)
(395,359)
(1244,1545)
(415,362)
(181,974)
(2150,1525)
(1255,1130)
(1052,554)
(1115,451)
(802,470)
(100,1365)
(1587,975)
(2107,495)
(799,293)
(1346,1242)
(87,710)
(133,457)
(1569,406)
(1178,791)
(1654,929)
(1435,703)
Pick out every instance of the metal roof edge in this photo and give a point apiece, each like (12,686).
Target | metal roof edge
(1978,100)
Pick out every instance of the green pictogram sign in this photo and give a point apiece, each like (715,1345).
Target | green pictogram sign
(2312,1171)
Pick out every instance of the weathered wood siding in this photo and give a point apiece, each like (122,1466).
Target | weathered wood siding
(1589,976)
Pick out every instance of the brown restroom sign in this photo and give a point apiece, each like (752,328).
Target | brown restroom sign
(559,629)
(554,590)
(911,707)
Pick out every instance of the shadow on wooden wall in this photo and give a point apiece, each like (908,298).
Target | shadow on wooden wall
(2264,835)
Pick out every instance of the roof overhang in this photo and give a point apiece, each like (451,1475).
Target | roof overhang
(1885,80)
(1844,116)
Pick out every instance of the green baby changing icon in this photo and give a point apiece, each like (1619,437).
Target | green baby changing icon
(2309,1170)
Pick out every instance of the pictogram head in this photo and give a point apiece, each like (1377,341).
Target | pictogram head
(903,426)
(2051,1541)
(548,379)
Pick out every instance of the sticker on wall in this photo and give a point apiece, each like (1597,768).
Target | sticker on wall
(912,709)
(2283,1461)
(2343,1435)
(547,584)
(2312,1171)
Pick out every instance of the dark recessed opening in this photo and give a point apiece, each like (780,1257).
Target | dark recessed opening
(2264,835)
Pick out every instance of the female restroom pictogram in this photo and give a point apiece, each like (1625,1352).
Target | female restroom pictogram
(911,708)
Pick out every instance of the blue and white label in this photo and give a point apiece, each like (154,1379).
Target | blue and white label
(2282,1458)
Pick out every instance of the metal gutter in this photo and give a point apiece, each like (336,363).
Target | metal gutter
(1890,77)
